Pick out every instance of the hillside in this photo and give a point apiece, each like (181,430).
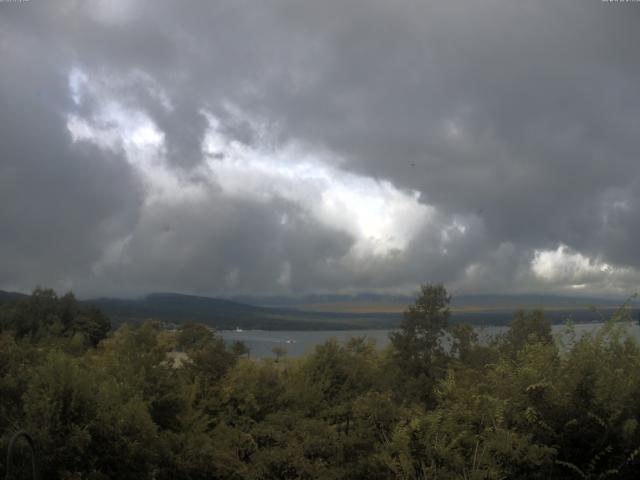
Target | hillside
(227,314)
(10,296)
(337,312)
(340,312)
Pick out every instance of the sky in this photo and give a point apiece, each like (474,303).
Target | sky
(284,147)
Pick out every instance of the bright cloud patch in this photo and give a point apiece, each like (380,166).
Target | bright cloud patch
(380,216)
(567,266)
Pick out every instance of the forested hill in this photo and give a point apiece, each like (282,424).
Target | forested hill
(227,314)
(10,296)
(336,312)
(171,307)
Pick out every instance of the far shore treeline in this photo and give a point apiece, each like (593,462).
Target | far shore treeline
(335,312)
(140,401)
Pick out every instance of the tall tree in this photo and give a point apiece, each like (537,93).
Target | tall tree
(417,344)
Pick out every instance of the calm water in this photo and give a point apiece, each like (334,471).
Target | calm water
(297,343)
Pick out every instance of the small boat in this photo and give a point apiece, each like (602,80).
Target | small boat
(289,340)
(238,330)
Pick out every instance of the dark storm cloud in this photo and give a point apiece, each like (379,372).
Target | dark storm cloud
(518,119)
(523,114)
(60,203)
(231,245)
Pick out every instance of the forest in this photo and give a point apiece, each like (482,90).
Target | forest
(146,402)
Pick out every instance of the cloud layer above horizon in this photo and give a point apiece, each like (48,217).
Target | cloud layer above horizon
(286,147)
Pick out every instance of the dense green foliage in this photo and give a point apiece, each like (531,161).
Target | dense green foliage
(148,403)
(43,316)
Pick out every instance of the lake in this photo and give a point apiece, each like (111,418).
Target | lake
(298,343)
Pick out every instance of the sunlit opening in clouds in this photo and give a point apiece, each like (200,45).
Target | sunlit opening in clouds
(380,216)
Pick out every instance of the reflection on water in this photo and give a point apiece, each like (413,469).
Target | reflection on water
(297,343)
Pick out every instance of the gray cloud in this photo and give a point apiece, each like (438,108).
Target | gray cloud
(231,245)
(517,122)
(61,203)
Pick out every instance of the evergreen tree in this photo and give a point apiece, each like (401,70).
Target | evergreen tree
(417,345)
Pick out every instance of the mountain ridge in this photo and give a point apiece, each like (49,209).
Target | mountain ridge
(331,312)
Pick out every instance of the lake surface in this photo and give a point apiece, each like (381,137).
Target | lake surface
(298,343)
